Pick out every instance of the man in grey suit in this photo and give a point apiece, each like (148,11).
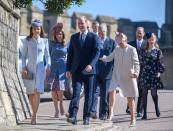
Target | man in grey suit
(139,44)
(95,27)
(103,75)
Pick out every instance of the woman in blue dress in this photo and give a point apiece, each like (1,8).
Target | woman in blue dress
(152,60)
(33,51)
(57,77)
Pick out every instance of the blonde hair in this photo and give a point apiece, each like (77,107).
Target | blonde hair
(121,35)
(154,37)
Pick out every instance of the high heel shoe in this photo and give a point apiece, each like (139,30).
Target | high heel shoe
(67,115)
(33,120)
(157,112)
(110,117)
(56,115)
(133,123)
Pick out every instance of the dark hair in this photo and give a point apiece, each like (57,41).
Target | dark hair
(42,34)
(63,36)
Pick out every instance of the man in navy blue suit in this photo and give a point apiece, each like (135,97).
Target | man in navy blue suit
(103,76)
(82,56)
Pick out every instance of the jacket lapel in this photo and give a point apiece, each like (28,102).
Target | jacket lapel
(106,43)
(86,39)
(136,44)
(77,39)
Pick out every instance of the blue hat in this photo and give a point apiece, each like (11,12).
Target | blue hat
(36,23)
(148,35)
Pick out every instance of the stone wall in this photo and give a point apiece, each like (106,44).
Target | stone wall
(167,76)
(126,26)
(168,12)
(13,99)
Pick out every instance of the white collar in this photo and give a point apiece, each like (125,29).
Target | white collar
(37,39)
(139,40)
(104,39)
(84,32)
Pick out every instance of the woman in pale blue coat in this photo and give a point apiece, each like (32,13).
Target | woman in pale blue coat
(35,49)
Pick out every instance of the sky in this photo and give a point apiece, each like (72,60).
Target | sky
(136,10)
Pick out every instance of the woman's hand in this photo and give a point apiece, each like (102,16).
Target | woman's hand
(158,75)
(134,76)
(24,71)
(68,74)
(48,71)
(104,56)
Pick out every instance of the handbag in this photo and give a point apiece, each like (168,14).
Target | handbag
(29,76)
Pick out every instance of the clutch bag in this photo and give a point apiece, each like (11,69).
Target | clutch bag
(29,76)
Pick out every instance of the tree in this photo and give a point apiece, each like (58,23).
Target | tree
(55,6)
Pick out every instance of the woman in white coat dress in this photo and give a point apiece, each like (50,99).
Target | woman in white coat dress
(125,73)
(34,50)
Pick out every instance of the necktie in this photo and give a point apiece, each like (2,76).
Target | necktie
(82,37)
(139,45)
(101,44)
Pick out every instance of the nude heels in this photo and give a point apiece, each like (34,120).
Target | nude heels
(33,120)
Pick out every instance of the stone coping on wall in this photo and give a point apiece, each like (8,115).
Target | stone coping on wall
(9,7)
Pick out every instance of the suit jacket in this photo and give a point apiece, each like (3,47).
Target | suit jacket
(80,56)
(104,70)
(33,54)
(134,44)
(125,60)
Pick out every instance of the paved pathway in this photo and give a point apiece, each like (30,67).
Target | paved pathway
(121,120)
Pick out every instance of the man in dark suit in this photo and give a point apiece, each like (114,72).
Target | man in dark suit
(82,56)
(139,44)
(103,75)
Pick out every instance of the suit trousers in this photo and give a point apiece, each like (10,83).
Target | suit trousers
(77,80)
(101,87)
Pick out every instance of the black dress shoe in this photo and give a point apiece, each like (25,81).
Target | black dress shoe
(144,117)
(103,118)
(86,122)
(139,114)
(128,111)
(72,120)
(93,115)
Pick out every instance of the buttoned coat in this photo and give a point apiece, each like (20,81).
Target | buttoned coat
(33,53)
(125,61)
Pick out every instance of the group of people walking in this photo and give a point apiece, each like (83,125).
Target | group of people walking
(103,65)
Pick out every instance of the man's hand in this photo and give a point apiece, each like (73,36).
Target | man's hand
(68,74)
(88,68)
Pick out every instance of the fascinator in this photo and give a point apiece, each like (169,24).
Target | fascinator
(36,23)
(148,35)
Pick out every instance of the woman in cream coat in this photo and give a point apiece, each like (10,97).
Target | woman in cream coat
(125,73)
